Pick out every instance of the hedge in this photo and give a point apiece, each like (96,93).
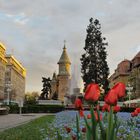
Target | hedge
(37,108)
(50,109)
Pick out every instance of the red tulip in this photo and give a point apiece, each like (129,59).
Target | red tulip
(111,98)
(134,114)
(120,89)
(138,110)
(116,108)
(74,137)
(81,112)
(89,116)
(84,129)
(68,129)
(106,107)
(92,92)
(96,116)
(78,103)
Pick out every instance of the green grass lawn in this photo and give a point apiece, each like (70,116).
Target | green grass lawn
(37,129)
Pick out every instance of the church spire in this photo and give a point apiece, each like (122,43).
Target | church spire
(64,57)
(64,45)
(54,76)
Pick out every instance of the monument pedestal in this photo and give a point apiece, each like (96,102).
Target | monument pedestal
(49,102)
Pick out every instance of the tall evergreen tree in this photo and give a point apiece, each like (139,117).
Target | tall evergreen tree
(94,66)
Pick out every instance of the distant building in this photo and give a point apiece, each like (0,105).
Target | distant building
(12,77)
(121,73)
(60,83)
(15,74)
(128,72)
(3,63)
(134,77)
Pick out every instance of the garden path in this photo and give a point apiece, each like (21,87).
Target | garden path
(13,120)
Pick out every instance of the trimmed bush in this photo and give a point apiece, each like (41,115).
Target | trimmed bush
(127,109)
(37,108)
(13,109)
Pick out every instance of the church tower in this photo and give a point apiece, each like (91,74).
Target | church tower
(64,75)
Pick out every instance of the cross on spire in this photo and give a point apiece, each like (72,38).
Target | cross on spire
(64,44)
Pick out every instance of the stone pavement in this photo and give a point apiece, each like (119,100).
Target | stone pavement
(13,120)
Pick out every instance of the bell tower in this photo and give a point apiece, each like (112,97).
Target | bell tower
(64,76)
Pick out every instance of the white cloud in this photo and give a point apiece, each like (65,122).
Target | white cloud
(21,21)
(20,18)
(9,15)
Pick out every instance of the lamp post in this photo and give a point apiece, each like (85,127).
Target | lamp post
(8,86)
(129,88)
(20,104)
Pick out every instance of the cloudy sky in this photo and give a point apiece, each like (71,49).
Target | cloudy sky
(34,31)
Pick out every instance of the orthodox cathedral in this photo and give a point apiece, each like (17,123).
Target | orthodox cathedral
(60,84)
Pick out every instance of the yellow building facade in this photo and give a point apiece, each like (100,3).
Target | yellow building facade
(12,77)
(3,63)
(16,74)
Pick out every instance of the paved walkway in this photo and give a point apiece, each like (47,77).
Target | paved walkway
(13,120)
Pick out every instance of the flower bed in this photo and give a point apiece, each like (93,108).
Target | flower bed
(129,126)
(97,125)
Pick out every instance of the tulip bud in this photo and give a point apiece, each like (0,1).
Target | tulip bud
(116,109)
(74,137)
(68,129)
(106,107)
(134,114)
(120,89)
(92,92)
(111,98)
(138,110)
(78,103)
(84,129)
(89,116)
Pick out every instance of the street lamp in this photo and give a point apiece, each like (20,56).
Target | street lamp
(8,86)
(129,88)
(20,104)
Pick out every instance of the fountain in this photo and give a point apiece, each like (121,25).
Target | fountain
(76,85)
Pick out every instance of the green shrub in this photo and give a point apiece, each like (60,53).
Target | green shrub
(37,108)
(127,109)
(13,109)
